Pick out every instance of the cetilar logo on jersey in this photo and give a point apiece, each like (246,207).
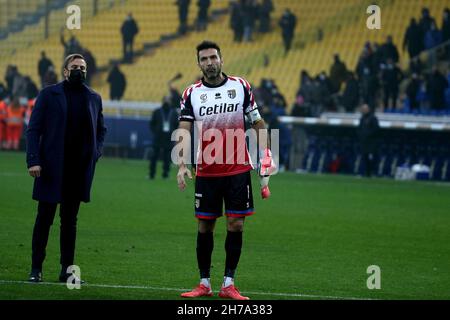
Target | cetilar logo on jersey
(218,108)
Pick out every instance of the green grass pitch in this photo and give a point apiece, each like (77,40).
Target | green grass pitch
(313,239)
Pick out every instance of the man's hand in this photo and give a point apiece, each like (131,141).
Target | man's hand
(35,171)
(182,171)
(267,165)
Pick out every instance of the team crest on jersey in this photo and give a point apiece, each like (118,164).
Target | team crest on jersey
(197,203)
(203,97)
(232,94)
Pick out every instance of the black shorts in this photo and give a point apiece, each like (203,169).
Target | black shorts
(212,192)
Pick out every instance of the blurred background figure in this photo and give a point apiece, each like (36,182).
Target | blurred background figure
(14,123)
(368,130)
(117,83)
(183,11)
(163,122)
(43,66)
(287,23)
(202,17)
(129,30)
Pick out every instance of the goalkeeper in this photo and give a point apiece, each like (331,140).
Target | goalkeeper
(218,103)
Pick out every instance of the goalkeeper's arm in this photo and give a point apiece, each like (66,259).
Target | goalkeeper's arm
(266,163)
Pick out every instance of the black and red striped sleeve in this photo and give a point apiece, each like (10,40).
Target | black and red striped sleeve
(187,112)
(249,98)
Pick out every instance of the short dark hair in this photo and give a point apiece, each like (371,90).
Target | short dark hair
(72,57)
(207,45)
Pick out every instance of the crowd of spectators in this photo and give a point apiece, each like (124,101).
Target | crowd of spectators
(378,80)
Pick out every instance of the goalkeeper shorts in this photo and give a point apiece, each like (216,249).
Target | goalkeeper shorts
(212,192)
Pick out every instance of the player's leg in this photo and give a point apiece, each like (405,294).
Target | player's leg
(208,207)
(238,205)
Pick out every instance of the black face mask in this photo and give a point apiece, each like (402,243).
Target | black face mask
(77,77)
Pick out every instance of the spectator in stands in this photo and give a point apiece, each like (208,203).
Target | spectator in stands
(446,25)
(389,51)
(265,10)
(72,46)
(391,76)
(164,121)
(350,96)
(338,73)
(20,85)
(317,103)
(287,22)
(436,86)
(368,130)
(425,21)
(298,109)
(32,90)
(50,77)
(129,30)
(446,30)
(412,91)
(413,39)
(91,62)
(43,65)
(183,10)
(325,91)
(117,83)
(366,71)
(236,20)
(433,38)
(377,57)
(304,94)
(202,17)
(10,74)
(250,14)
(3,91)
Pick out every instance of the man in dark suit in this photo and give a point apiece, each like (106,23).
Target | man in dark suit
(368,131)
(164,121)
(64,141)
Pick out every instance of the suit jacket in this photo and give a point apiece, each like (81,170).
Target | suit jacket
(45,142)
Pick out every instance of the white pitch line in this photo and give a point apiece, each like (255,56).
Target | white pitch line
(298,295)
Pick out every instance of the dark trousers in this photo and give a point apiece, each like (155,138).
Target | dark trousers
(287,40)
(369,164)
(157,149)
(127,50)
(68,211)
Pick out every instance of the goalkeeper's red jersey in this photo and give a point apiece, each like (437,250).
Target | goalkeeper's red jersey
(220,111)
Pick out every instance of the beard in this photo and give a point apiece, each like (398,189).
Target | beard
(212,73)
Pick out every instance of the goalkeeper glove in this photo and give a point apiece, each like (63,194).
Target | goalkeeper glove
(266,168)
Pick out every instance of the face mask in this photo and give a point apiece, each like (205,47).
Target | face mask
(77,76)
